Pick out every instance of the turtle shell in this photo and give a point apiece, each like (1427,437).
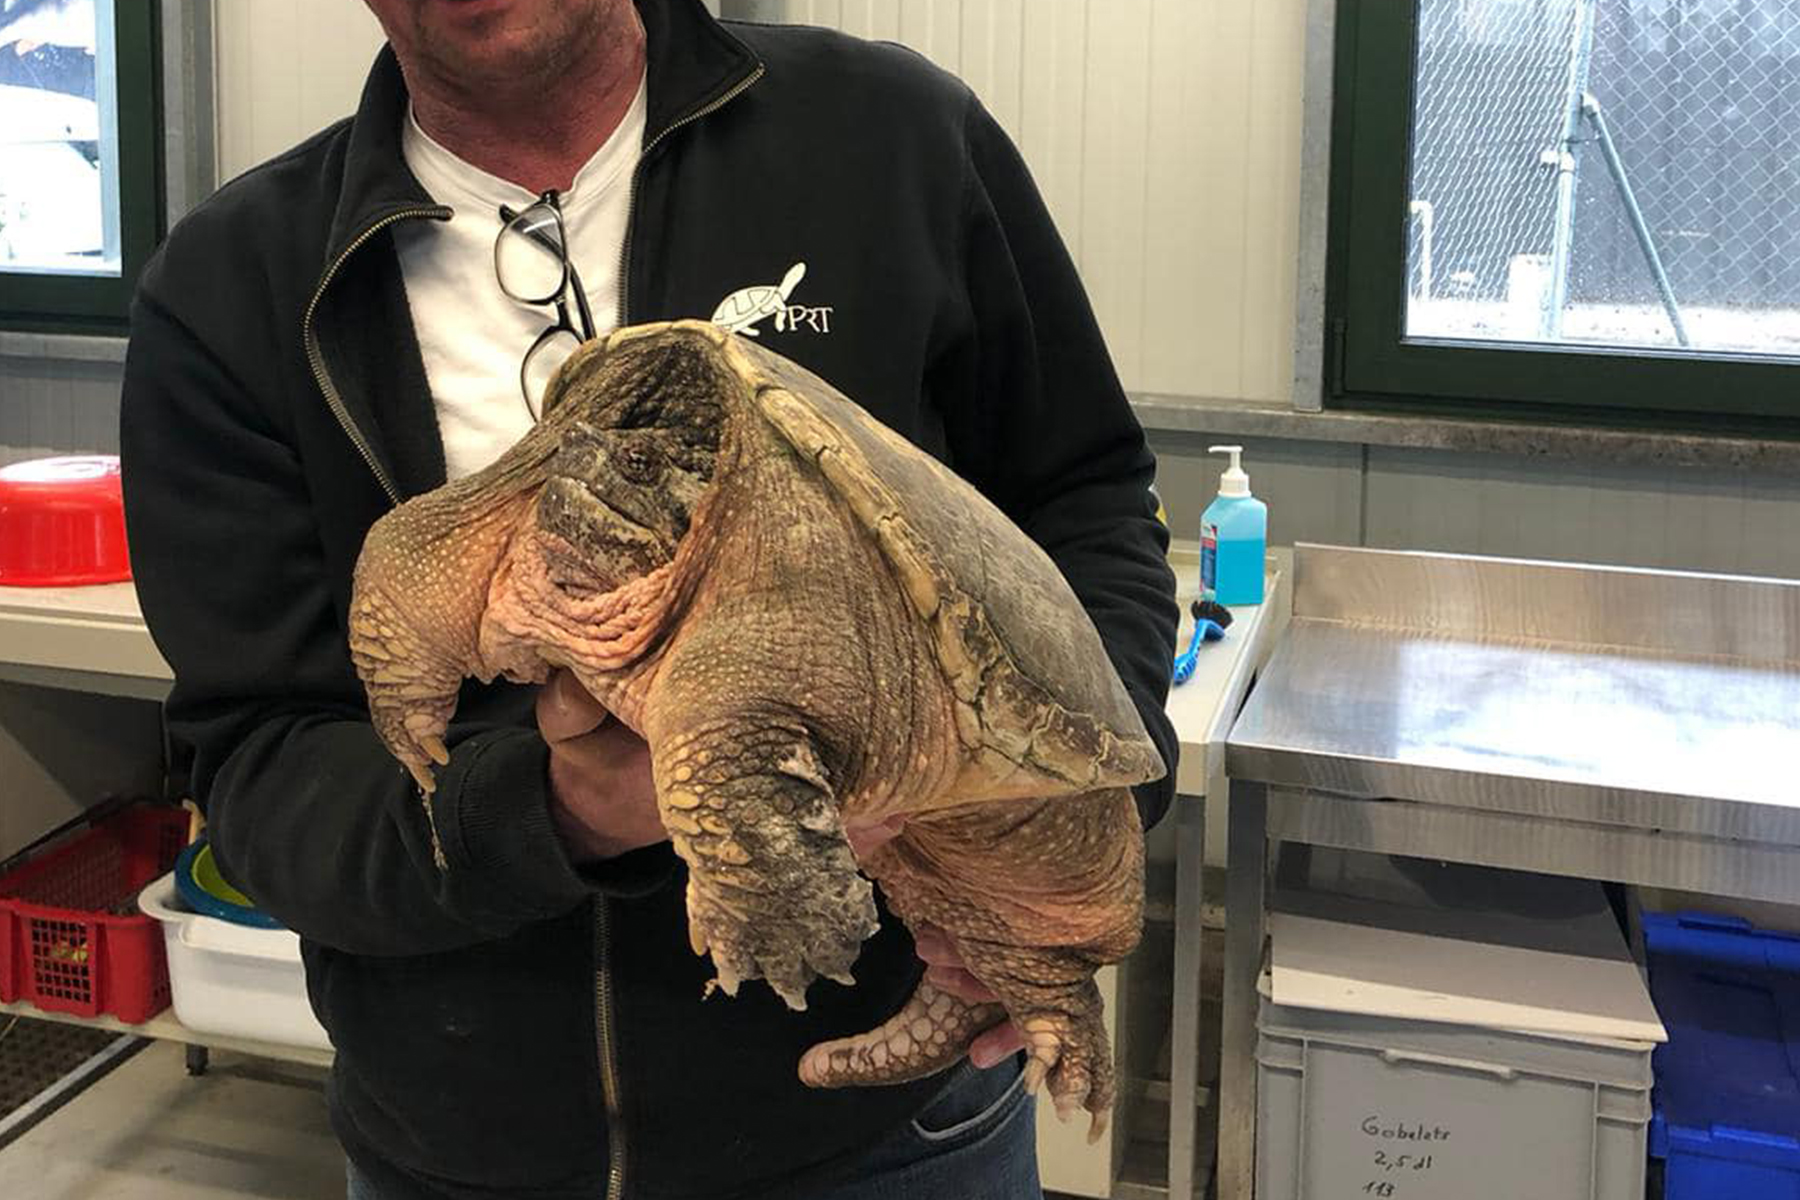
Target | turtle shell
(1040,709)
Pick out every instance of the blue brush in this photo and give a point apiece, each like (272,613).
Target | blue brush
(1204,631)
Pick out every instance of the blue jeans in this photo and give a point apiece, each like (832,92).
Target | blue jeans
(977,1140)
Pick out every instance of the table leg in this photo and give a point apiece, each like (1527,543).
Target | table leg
(1184,1023)
(1245,918)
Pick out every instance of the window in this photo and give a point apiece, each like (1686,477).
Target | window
(1588,203)
(79,144)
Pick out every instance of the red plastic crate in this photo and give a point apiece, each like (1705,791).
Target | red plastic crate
(71,936)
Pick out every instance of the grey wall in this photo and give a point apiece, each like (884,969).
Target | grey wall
(62,752)
(1682,518)
(55,405)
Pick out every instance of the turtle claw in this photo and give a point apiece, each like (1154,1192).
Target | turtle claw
(1065,1063)
(1035,1071)
(419,752)
(788,941)
(435,750)
(422,776)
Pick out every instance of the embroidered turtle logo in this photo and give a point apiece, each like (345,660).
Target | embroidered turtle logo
(746,308)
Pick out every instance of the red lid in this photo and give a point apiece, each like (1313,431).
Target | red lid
(62,522)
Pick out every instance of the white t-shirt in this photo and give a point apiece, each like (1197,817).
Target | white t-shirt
(473,335)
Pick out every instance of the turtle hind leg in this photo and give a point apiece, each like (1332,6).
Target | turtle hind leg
(1036,896)
(931,1032)
(1070,1052)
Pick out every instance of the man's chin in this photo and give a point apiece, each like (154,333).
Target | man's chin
(482,44)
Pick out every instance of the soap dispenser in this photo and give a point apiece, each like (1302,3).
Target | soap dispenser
(1234,534)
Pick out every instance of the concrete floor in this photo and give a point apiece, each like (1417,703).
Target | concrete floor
(148,1131)
(249,1129)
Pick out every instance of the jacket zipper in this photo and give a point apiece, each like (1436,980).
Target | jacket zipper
(604,1019)
(316,357)
(737,90)
(609,1070)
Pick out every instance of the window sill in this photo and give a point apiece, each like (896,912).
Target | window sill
(61,347)
(1637,447)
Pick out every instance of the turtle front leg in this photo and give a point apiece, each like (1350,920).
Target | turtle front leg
(773,888)
(420,587)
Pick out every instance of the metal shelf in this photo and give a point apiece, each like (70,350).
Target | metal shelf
(165,1027)
(89,639)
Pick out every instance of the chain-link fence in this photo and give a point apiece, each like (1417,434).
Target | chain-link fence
(1526,222)
(1493,89)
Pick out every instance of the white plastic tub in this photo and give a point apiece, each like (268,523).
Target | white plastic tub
(231,979)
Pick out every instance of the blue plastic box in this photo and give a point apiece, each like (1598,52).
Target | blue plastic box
(1727,1098)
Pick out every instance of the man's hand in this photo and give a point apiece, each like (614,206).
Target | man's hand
(944,967)
(602,795)
(945,971)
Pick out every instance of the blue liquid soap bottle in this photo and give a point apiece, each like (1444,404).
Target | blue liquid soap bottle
(1234,535)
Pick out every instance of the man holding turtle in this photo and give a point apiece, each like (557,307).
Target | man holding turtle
(376,311)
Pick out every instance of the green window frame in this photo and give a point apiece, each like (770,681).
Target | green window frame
(100,304)
(1371,363)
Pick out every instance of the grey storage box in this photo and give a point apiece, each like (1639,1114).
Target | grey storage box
(1352,1106)
(1420,1051)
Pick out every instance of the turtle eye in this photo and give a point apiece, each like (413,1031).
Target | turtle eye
(639,463)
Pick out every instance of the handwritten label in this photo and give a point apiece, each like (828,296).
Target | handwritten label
(1390,1167)
(1402,1162)
(1400,1131)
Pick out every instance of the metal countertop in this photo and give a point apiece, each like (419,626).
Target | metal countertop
(1415,677)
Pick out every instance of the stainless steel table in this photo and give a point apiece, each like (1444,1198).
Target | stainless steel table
(1635,726)
(1202,711)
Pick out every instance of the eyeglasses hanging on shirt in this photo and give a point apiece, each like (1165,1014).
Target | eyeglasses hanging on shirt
(531,260)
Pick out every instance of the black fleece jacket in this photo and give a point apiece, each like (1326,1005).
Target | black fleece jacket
(513,1026)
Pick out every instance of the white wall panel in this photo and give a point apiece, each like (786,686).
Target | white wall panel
(1115,170)
(1193,310)
(875,19)
(1270,178)
(286,69)
(993,55)
(1164,135)
(1051,132)
(822,12)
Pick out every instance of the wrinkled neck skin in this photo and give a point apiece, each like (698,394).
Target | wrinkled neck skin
(612,640)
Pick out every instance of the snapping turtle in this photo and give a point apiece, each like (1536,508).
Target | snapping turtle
(818,629)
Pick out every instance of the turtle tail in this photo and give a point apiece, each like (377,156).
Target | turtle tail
(931,1032)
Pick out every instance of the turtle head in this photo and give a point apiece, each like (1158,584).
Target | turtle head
(620,500)
(638,443)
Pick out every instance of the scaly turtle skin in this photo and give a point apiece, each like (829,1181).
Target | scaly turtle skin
(817,628)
